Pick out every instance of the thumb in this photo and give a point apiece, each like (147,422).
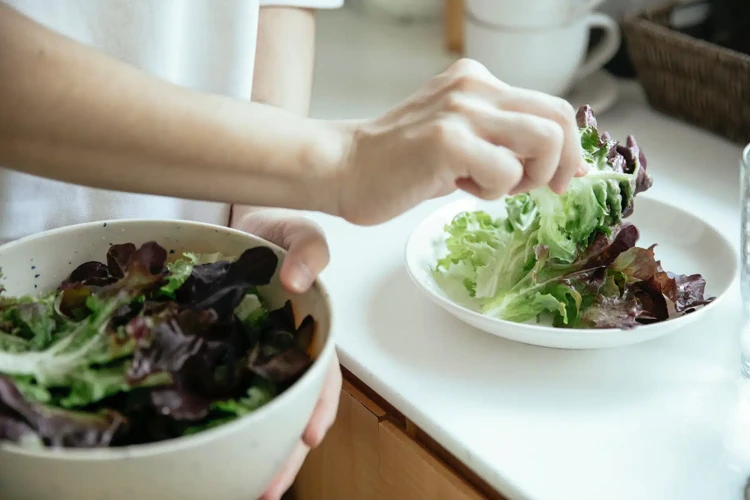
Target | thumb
(303,239)
(307,255)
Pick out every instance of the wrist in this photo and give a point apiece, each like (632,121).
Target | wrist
(275,158)
(325,157)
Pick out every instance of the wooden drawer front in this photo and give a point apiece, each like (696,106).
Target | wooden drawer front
(409,471)
(366,456)
(345,466)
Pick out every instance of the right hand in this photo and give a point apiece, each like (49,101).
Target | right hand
(464,130)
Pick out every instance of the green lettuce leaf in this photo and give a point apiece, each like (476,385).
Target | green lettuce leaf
(179,272)
(91,384)
(87,341)
(251,311)
(260,393)
(29,318)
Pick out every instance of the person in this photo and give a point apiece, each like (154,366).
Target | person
(169,109)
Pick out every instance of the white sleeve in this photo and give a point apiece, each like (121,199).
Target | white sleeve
(309,4)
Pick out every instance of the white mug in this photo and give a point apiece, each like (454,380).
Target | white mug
(550,59)
(529,13)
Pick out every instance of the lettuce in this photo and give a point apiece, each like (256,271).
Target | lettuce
(562,255)
(139,350)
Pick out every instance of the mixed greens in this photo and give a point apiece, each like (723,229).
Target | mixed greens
(140,349)
(571,257)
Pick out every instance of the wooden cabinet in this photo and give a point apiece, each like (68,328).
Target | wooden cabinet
(345,465)
(374,453)
(407,470)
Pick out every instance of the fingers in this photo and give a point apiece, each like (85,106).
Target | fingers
(560,112)
(284,479)
(487,171)
(463,75)
(490,147)
(540,129)
(325,410)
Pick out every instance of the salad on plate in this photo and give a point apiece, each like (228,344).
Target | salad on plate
(571,259)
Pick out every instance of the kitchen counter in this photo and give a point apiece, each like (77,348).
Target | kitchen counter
(649,421)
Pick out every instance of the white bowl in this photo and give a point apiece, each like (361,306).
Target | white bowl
(233,461)
(685,244)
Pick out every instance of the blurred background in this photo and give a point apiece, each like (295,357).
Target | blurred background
(689,57)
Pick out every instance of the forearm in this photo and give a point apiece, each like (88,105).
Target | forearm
(285,58)
(71,113)
(283,66)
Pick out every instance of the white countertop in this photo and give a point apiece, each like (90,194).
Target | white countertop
(643,422)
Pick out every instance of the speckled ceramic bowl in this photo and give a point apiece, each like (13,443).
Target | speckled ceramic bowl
(231,462)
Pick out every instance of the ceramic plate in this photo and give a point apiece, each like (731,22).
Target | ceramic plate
(686,245)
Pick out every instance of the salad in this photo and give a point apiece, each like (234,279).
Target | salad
(139,349)
(571,257)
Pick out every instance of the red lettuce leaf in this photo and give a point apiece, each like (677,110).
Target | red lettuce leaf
(206,356)
(614,284)
(118,257)
(281,355)
(162,348)
(53,426)
(672,295)
(144,271)
(216,370)
(89,274)
(636,264)
(222,285)
(636,290)
(633,156)
(604,250)
(619,311)
(181,403)
(128,268)
(280,367)
(14,430)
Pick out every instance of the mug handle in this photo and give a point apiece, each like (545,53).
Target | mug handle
(605,49)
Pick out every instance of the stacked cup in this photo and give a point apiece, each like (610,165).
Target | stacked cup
(539,44)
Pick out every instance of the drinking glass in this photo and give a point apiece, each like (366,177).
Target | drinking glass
(745,259)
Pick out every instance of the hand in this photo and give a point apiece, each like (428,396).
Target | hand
(307,256)
(465,129)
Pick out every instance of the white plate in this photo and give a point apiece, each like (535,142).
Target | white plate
(686,245)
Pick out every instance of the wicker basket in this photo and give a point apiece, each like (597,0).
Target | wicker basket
(691,79)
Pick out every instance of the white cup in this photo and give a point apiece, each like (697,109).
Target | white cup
(529,13)
(550,59)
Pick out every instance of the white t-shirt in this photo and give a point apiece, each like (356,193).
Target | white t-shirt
(203,44)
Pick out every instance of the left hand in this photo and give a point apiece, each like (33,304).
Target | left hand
(307,256)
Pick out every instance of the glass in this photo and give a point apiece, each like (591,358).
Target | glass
(745,260)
